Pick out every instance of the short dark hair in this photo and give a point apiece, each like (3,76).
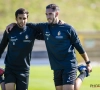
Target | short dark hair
(21,11)
(54,7)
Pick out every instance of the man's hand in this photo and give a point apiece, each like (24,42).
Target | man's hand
(1,71)
(62,22)
(9,27)
(89,67)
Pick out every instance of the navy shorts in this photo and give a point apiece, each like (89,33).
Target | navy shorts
(20,78)
(63,77)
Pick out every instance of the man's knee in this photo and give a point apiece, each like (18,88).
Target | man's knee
(60,87)
(68,87)
(10,86)
(78,83)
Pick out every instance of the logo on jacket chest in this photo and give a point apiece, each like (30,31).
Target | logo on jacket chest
(47,34)
(59,36)
(27,39)
(13,39)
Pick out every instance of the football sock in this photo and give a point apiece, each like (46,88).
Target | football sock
(82,75)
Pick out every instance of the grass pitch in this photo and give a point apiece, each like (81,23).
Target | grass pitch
(41,78)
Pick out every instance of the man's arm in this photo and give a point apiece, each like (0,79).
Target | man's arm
(77,44)
(37,27)
(87,61)
(40,36)
(3,43)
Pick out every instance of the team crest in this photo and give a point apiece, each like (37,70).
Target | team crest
(59,33)
(26,37)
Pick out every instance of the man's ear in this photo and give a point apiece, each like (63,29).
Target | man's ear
(15,18)
(56,14)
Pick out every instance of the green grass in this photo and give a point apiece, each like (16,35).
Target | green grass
(41,78)
(84,15)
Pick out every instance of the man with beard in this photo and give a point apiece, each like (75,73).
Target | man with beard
(17,61)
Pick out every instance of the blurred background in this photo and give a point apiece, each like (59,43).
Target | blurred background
(83,15)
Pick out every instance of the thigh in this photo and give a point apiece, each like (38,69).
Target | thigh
(68,87)
(69,77)
(22,81)
(10,79)
(59,87)
(10,86)
(9,76)
(58,81)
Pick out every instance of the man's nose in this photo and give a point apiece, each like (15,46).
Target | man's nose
(48,16)
(22,21)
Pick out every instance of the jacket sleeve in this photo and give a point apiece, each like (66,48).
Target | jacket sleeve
(39,36)
(38,29)
(3,43)
(75,41)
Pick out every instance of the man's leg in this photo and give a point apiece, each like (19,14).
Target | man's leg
(68,87)
(58,79)
(22,80)
(10,79)
(2,83)
(69,79)
(65,87)
(60,87)
(10,86)
(78,83)
(83,73)
(64,80)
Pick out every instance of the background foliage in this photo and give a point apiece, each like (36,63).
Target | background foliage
(84,15)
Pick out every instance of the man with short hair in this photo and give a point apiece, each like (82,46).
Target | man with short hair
(17,61)
(61,41)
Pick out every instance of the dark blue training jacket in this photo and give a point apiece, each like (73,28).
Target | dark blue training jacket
(61,41)
(20,42)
